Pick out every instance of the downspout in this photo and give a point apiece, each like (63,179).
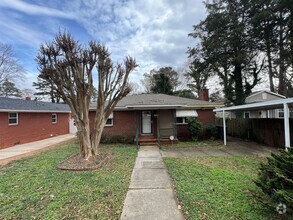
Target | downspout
(174,125)
(136,129)
(286,126)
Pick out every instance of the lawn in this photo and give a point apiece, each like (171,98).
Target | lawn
(33,188)
(184,145)
(217,187)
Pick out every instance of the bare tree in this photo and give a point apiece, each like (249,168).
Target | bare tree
(70,66)
(10,68)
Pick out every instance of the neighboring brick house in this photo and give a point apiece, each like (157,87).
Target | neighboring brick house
(23,121)
(156,117)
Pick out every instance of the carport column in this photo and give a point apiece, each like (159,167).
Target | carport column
(224,127)
(286,126)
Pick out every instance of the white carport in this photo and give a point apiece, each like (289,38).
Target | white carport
(274,104)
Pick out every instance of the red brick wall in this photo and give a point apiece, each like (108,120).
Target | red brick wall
(206,116)
(123,123)
(31,127)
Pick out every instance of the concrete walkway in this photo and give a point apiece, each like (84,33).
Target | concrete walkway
(150,194)
(23,150)
(197,152)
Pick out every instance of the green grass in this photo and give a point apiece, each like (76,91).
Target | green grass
(184,145)
(33,188)
(217,187)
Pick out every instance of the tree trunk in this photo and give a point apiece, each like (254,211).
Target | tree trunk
(85,142)
(272,88)
(99,124)
(239,93)
(96,138)
(282,69)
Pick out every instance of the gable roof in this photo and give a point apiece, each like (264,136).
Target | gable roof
(265,91)
(9,104)
(162,101)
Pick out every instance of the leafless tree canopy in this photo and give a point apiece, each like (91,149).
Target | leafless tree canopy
(70,66)
(10,69)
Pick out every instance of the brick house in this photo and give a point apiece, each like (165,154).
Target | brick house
(23,121)
(156,117)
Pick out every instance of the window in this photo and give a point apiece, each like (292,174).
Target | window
(13,118)
(281,113)
(181,120)
(246,115)
(54,118)
(109,121)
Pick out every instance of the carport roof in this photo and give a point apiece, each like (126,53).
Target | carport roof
(274,104)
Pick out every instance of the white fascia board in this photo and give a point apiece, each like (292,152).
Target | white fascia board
(151,106)
(276,103)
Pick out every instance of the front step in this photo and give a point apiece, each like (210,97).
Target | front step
(148,143)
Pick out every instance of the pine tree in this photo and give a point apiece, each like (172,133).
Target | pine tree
(275,179)
(8,89)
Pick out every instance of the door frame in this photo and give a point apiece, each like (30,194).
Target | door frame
(141,122)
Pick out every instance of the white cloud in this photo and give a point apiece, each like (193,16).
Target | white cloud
(154,32)
(33,9)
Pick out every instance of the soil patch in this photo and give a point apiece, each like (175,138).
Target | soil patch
(77,163)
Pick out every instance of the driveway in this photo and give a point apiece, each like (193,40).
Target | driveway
(29,149)
(235,147)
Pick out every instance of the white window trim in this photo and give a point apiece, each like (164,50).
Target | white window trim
(13,118)
(112,120)
(248,114)
(184,121)
(279,111)
(55,118)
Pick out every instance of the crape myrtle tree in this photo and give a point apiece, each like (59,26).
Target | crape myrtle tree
(70,67)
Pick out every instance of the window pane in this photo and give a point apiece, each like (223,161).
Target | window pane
(109,121)
(281,113)
(12,115)
(12,121)
(54,118)
(179,120)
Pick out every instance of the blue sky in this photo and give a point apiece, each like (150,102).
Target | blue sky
(152,31)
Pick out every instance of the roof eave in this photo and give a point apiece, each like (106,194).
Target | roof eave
(34,111)
(274,104)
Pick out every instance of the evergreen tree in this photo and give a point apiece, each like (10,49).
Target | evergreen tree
(162,84)
(199,72)
(228,47)
(165,80)
(8,89)
(47,88)
(275,179)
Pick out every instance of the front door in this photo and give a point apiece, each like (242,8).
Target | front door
(146,119)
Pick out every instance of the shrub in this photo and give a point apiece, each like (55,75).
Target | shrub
(194,127)
(275,178)
(211,130)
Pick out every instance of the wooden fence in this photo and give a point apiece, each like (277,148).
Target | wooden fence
(269,131)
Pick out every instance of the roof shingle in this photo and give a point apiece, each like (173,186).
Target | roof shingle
(28,105)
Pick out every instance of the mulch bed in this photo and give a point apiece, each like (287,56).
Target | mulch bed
(77,163)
